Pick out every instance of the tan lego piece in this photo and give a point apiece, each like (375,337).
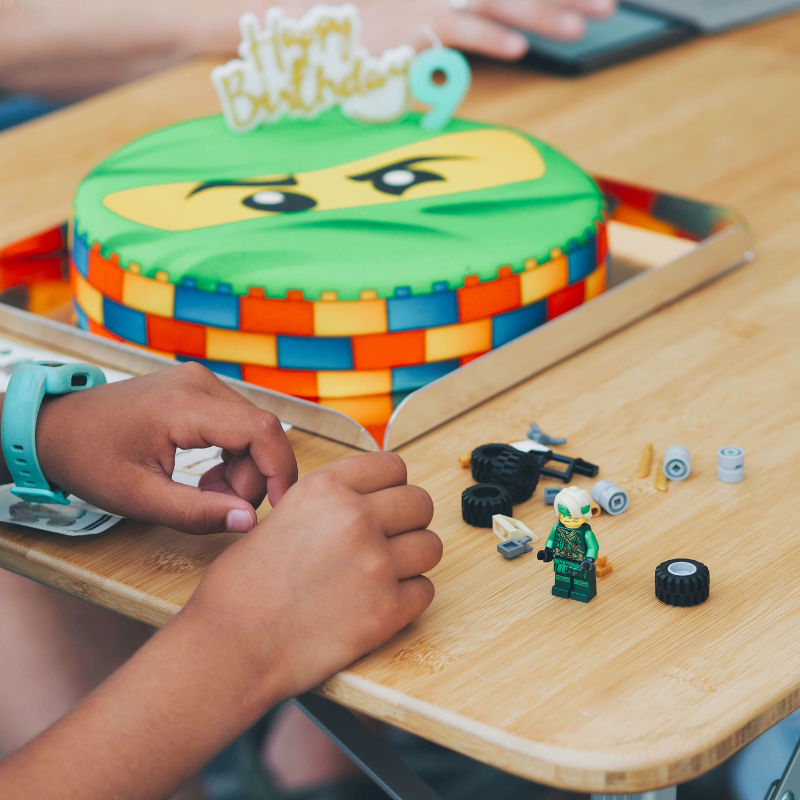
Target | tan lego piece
(645,461)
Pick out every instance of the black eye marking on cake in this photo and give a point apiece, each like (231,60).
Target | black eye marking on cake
(290,180)
(398,178)
(268,199)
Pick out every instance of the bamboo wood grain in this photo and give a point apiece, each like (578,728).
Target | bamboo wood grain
(624,694)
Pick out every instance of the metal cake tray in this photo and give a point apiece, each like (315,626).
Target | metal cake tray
(661,248)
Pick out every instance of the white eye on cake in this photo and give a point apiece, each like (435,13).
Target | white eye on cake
(399,177)
(270,197)
(279,202)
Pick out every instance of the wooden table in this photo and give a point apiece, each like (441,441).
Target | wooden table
(625,694)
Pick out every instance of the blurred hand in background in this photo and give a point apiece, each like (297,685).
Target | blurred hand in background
(68,50)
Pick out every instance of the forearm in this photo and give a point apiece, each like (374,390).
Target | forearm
(69,50)
(150,726)
(5,475)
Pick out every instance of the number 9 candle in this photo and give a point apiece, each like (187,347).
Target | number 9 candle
(444,98)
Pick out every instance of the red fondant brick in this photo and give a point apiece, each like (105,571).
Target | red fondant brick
(565,300)
(174,336)
(602,242)
(467,359)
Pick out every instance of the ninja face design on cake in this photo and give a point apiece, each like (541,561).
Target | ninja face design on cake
(453,163)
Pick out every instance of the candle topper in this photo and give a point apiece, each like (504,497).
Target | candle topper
(299,68)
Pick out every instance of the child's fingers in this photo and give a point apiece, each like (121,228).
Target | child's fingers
(239,475)
(401,508)
(242,428)
(369,472)
(415,552)
(246,479)
(416,594)
(192,510)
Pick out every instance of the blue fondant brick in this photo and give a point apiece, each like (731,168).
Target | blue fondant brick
(80,316)
(80,253)
(218,309)
(405,379)
(408,312)
(226,368)
(125,322)
(582,261)
(315,352)
(508,326)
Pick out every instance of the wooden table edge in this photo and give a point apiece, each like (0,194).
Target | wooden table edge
(565,768)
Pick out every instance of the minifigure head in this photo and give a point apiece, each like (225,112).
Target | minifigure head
(573,506)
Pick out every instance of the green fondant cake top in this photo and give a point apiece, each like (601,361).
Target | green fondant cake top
(332,204)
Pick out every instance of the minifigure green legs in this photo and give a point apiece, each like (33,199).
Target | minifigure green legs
(572,546)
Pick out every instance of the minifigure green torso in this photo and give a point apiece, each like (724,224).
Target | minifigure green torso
(572,546)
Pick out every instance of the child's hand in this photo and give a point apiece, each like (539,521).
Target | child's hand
(114,446)
(332,573)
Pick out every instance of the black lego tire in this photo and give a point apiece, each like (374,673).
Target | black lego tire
(677,584)
(479,503)
(483,458)
(518,472)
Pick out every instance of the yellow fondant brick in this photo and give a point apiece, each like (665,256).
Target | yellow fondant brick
(349,317)
(88,298)
(595,283)
(354,384)
(240,347)
(148,295)
(543,280)
(453,341)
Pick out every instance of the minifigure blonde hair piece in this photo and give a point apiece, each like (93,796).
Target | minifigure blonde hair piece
(577,501)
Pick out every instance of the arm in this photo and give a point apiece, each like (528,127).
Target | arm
(591,545)
(329,575)
(547,554)
(74,49)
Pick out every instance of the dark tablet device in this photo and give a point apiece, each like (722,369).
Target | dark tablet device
(629,33)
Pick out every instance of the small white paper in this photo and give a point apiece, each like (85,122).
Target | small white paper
(79,518)
(14,355)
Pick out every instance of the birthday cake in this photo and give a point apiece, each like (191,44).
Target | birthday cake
(329,258)
(319,239)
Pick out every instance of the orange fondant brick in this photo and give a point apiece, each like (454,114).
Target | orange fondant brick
(175,336)
(99,330)
(386,350)
(478,300)
(372,412)
(104,274)
(293,316)
(301,383)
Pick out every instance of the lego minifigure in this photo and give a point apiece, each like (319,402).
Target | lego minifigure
(572,546)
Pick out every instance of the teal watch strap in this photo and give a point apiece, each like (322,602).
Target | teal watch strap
(26,390)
